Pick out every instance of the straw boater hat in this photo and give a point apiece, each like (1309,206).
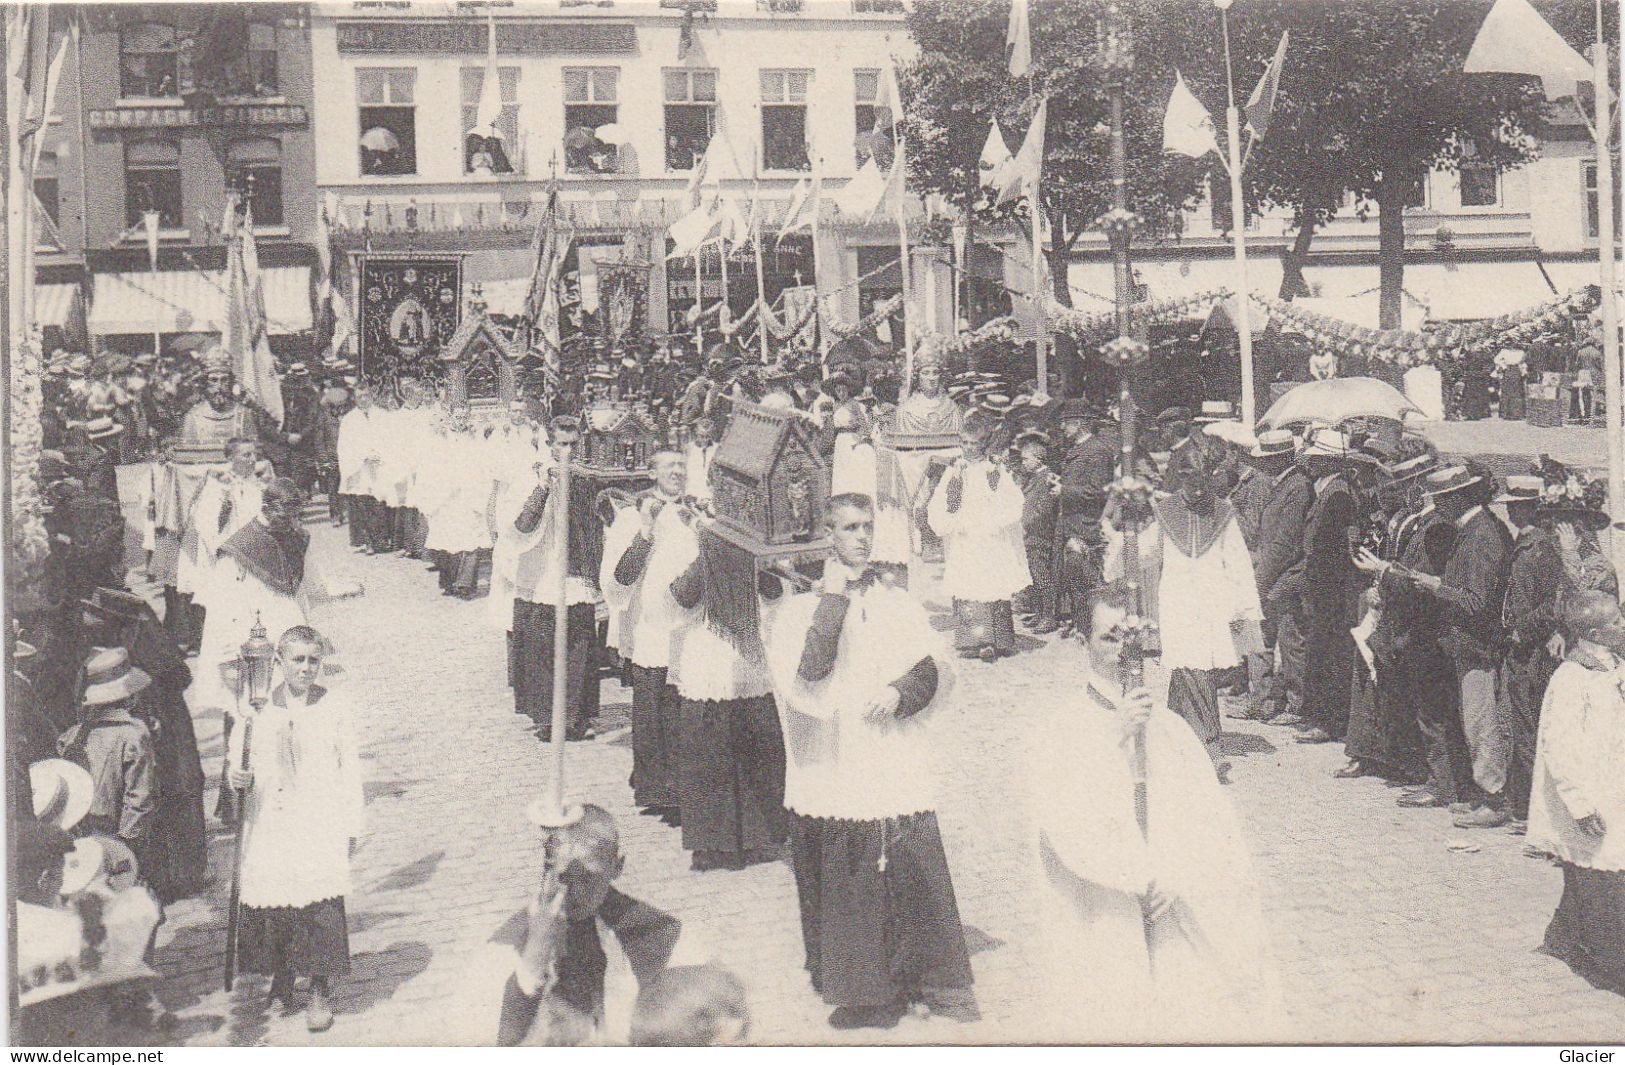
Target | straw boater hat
(82,865)
(61,792)
(1216,410)
(102,428)
(1274,442)
(1328,443)
(1414,467)
(110,678)
(1522,489)
(1449,480)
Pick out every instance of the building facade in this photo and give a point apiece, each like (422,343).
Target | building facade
(177,105)
(613,105)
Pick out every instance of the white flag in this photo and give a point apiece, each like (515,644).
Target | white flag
(1187,128)
(150,220)
(489,109)
(1516,40)
(1018,43)
(1022,176)
(863,192)
(995,157)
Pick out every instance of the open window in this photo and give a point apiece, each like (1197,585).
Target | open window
(149,61)
(591,102)
(254,170)
(691,116)
(388,120)
(490,149)
(152,182)
(784,119)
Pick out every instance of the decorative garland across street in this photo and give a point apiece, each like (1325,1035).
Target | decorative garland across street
(1444,343)
(1091,328)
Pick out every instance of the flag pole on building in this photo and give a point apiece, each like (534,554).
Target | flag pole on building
(1516,40)
(1019,57)
(755,237)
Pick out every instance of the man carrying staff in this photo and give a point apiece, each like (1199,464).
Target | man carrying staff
(540,532)
(658,552)
(854,667)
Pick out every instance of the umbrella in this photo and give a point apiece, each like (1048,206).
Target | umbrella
(1337,400)
(613,133)
(379,139)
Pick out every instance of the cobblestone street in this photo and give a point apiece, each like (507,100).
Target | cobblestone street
(1381,931)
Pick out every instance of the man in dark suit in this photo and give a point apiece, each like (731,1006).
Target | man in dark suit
(1277,566)
(1038,515)
(1087,469)
(1470,594)
(1249,498)
(1329,587)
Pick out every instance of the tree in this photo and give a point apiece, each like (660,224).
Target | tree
(1372,99)
(959,84)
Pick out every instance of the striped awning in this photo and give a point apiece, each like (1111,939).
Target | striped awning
(194,301)
(54,305)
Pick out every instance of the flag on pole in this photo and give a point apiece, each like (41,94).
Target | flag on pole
(246,338)
(863,192)
(888,100)
(489,110)
(1022,176)
(732,225)
(691,231)
(52,76)
(804,205)
(1516,40)
(890,203)
(1187,128)
(343,326)
(697,177)
(1261,104)
(995,157)
(324,249)
(1018,44)
(149,222)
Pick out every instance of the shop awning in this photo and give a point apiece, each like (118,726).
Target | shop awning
(1465,292)
(194,301)
(54,305)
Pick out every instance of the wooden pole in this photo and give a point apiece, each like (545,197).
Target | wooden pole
(904,262)
(1613,405)
(233,912)
(1238,236)
(756,242)
(561,631)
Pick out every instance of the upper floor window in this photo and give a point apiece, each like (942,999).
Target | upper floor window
(591,101)
(149,60)
(46,190)
(152,182)
(388,120)
(487,150)
(254,169)
(1480,185)
(865,141)
(691,116)
(784,119)
(253,72)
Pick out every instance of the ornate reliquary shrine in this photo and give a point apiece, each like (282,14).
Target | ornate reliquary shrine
(616,440)
(481,363)
(768,482)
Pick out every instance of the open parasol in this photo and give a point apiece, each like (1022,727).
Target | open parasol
(379,139)
(1338,400)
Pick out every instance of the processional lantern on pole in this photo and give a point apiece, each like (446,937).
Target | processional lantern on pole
(1130,498)
(255,669)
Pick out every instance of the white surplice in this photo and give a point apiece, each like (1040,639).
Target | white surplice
(985,558)
(1203,971)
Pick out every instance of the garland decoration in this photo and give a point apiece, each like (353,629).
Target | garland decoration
(30,542)
(1091,328)
(1443,343)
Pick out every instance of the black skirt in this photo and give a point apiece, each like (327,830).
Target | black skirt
(1587,933)
(730,774)
(311,940)
(878,913)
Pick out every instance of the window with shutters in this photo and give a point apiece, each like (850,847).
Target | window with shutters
(152,182)
(784,119)
(488,151)
(388,120)
(691,115)
(591,102)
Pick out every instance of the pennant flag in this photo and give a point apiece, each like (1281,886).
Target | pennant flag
(888,100)
(722,158)
(343,325)
(804,206)
(489,110)
(863,192)
(1022,176)
(690,231)
(890,203)
(731,223)
(149,222)
(1187,128)
(551,244)
(995,157)
(324,249)
(697,177)
(1018,44)
(52,76)
(1516,40)
(1261,104)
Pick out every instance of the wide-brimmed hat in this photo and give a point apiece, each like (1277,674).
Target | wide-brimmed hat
(109,677)
(61,792)
(1449,480)
(1521,489)
(1413,467)
(1216,410)
(1174,416)
(1570,510)
(102,428)
(82,865)
(1328,443)
(1274,442)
